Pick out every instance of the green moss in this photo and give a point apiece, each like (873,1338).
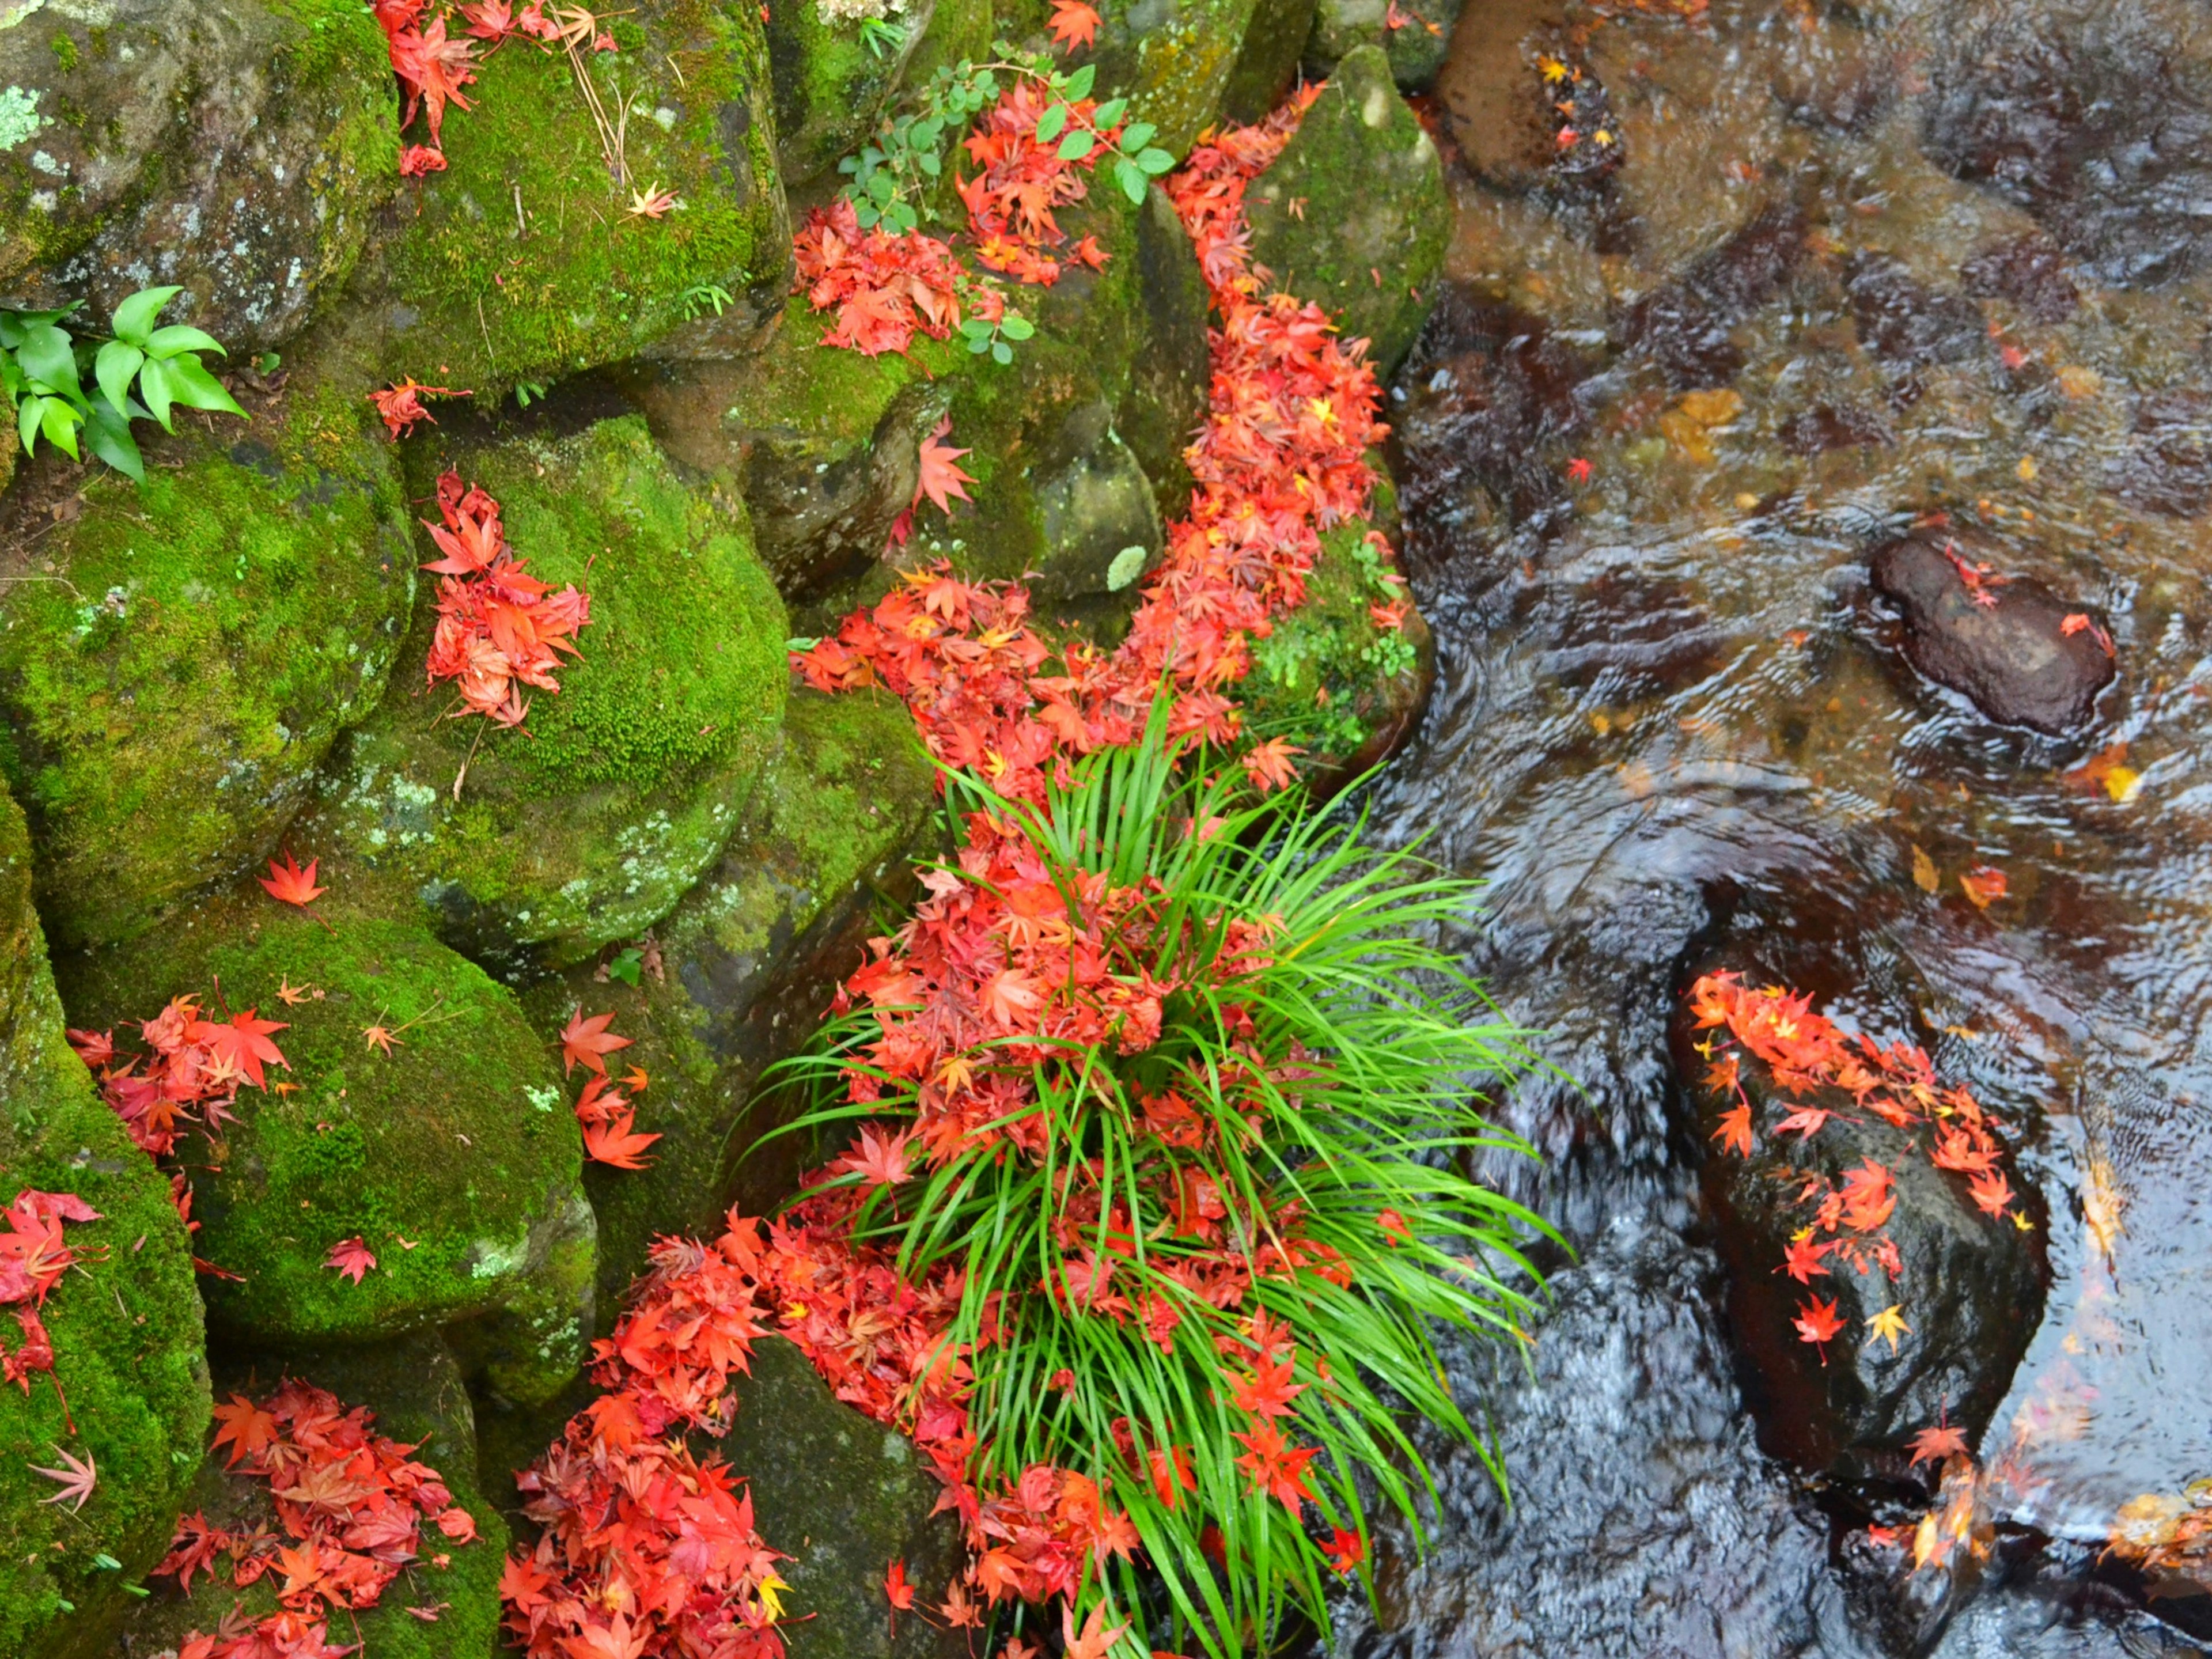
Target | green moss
(586,825)
(1328,678)
(64,49)
(456,1142)
(524,262)
(168,695)
(746,959)
(417,1394)
(959,31)
(1171,58)
(829,89)
(126,1321)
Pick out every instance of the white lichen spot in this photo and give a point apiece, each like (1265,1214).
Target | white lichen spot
(492,1260)
(19,116)
(46,164)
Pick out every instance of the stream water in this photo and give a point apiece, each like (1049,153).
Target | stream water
(1964,267)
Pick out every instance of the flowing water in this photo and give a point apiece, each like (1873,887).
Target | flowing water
(1964,267)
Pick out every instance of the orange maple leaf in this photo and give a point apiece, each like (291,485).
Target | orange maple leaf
(1073,24)
(587,1042)
(1942,1441)
(1990,1191)
(288,884)
(897,1589)
(245,1427)
(941,477)
(1818,1321)
(1093,1641)
(1985,884)
(615,1144)
(879,1162)
(1735,1132)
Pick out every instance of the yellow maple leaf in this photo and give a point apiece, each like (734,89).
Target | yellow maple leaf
(1888,1324)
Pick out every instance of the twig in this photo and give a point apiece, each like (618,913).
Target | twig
(470,756)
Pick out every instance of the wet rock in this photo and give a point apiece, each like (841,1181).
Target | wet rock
(2099,123)
(587,824)
(238,149)
(125,1321)
(1825,426)
(1367,238)
(2012,658)
(177,657)
(1268,65)
(1485,391)
(2027,271)
(2167,465)
(1497,103)
(1416,43)
(1844,89)
(830,86)
(458,1140)
(1642,1521)
(1684,324)
(743,969)
(418,1395)
(1903,322)
(522,263)
(1170,374)
(841,1495)
(1969,1285)
(1172,59)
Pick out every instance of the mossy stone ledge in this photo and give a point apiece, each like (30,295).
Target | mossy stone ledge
(586,825)
(126,1321)
(1172,59)
(240,149)
(523,261)
(1353,215)
(453,1157)
(176,657)
(830,84)
(1415,46)
(744,969)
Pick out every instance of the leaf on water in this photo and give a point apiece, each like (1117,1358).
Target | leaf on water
(1924,876)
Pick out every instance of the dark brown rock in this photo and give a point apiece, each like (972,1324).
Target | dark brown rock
(1905,322)
(2001,643)
(2030,272)
(1829,426)
(1684,324)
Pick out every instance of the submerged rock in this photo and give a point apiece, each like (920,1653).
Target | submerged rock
(1684,324)
(184,652)
(2004,644)
(1903,322)
(2028,271)
(240,150)
(2167,467)
(453,1157)
(125,1320)
(1353,215)
(588,822)
(419,1398)
(522,262)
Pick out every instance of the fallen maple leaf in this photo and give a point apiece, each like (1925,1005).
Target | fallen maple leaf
(1990,1192)
(613,1143)
(587,1042)
(1268,765)
(1803,1259)
(1817,1322)
(941,477)
(1345,1550)
(1578,470)
(400,406)
(897,1589)
(1735,1132)
(247,1429)
(1942,1441)
(1983,884)
(653,202)
(288,884)
(77,1479)
(1093,1642)
(351,1257)
(878,1162)
(1073,24)
(1888,1325)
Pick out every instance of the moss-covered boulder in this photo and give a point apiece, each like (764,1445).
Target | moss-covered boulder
(1354,214)
(1172,59)
(238,150)
(831,82)
(523,261)
(1171,373)
(586,825)
(1330,678)
(1268,66)
(744,968)
(177,656)
(453,1156)
(821,443)
(125,1320)
(1416,44)
(841,1495)
(959,31)
(419,1398)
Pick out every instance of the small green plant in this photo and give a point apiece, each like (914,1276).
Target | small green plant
(882,37)
(143,372)
(700,296)
(1193,1098)
(994,337)
(628,965)
(527,393)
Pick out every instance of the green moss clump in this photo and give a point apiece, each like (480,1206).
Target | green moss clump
(1359,192)
(959,31)
(1328,678)
(829,88)
(587,824)
(126,1321)
(745,964)
(419,1398)
(1171,58)
(167,695)
(453,1157)
(524,262)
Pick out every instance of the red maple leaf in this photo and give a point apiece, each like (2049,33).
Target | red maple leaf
(76,1480)
(587,1042)
(1735,1132)
(1093,1641)
(1803,1259)
(879,1162)
(1345,1550)
(613,1143)
(432,70)
(1268,765)
(351,1257)
(1073,24)
(1274,1466)
(247,1429)
(896,1587)
(242,1044)
(400,407)
(1990,1192)
(1942,1441)
(1818,1321)
(1269,1391)
(941,477)
(288,884)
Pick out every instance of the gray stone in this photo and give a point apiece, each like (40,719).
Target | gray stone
(1416,47)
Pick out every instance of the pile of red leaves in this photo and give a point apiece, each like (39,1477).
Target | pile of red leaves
(647,1549)
(433,66)
(192,1075)
(1010,202)
(609,1119)
(33,1255)
(1805,1053)
(499,628)
(882,287)
(351,1503)
(1279,461)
